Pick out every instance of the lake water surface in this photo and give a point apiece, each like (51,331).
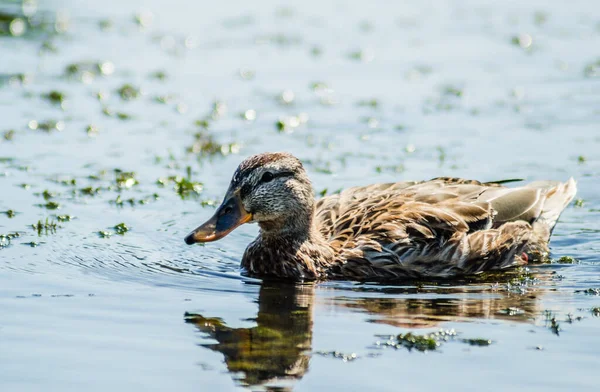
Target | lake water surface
(122,123)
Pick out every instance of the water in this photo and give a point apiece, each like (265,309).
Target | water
(364,93)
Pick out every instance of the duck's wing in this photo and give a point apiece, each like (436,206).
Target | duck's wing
(329,208)
(353,202)
(441,227)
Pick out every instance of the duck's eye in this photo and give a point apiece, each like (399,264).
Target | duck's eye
(267,177)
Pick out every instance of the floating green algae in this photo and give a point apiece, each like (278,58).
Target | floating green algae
(45,227)
(418,342)
(22,19)
(6,239)
(51,205)
(551,322)
(46,194)
(91,130)
(55,97)
(128,92)
(185,187)
(47,126)
(205,146)
(567,260)
(430,342)
(158,75)
(373,103)
(477,342)
(120,202)
(9,135)
(87,71)
(121,228)
(590,291)
(592,70)
(125,179)
(104,234)
(9,213)
(90,191)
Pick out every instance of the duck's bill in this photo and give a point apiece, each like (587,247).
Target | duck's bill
(230,214)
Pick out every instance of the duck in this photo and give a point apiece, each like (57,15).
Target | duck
(440,228)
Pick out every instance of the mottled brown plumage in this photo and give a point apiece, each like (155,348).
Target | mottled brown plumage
(439,228)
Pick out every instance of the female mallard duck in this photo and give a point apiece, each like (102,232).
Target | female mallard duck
(440,228)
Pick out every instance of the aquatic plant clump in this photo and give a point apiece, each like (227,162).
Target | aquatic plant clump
(125,180)
(9,213)
(429,342)
(104,234)
(590,291)
(418,342)
(205,145)
(121,228)
(567,260)
(45,227)
(5,239)
(551,322)
(183,186)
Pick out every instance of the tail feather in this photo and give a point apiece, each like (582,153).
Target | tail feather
(557,199)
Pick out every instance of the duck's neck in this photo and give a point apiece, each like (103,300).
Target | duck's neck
(296,227)
(293,248)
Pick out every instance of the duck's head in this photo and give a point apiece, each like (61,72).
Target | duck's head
(271,189)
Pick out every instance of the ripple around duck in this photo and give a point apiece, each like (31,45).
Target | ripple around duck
(124,262)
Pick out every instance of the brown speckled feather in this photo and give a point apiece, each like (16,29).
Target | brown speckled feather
(439,228)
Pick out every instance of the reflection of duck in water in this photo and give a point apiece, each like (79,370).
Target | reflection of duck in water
(440,228)
(413,307)
(277,348)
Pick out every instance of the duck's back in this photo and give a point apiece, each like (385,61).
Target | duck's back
(441,227)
